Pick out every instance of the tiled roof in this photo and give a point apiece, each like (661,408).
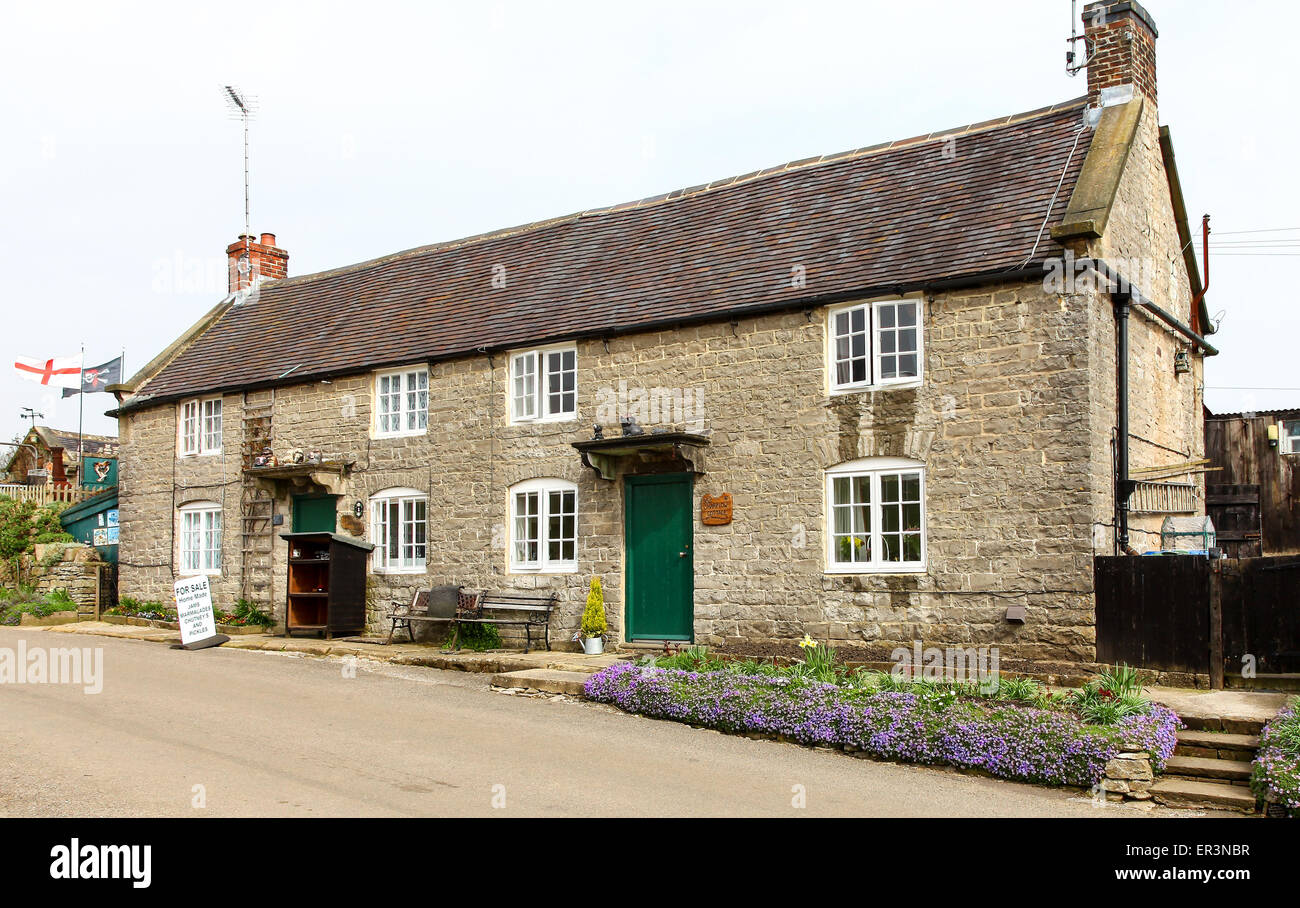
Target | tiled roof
(94,445)
(897,215)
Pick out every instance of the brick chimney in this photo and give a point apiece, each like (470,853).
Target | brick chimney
(1121,48)
(265,261)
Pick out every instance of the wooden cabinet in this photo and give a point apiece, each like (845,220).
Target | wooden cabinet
(327,584)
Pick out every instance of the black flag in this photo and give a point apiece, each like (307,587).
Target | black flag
(98,378)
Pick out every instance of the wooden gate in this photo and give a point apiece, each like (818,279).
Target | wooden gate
(1238,527)
(1188,614)
(1154,612)
(1260,599)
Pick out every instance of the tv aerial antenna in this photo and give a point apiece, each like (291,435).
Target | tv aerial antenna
(1098,18)
(243,107)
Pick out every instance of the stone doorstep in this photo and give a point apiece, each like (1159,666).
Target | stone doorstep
(548,680)
(1190,793)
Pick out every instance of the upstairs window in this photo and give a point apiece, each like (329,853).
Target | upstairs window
(200,427)
(875,344)
(544,385)
(200,538)
(876,516)
(402,402)
(399,531)
(544,526)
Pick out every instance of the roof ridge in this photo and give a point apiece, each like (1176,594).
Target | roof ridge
(690,191)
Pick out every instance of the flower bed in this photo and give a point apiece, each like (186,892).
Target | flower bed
(1006,739)
(1275,773)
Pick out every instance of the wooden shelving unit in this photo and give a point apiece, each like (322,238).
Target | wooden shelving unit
(327,584)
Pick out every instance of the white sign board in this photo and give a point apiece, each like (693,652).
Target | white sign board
(194,609)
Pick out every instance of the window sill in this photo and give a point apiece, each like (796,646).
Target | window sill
(888,386)
(400,572)
(547,569)
(185,574)
(545,420)
(875,571)
(414,433)
(215,453)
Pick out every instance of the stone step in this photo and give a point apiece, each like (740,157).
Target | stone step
(1221,745)
(1237,725)
(549,680)
(1207,768)
(1273,682)
(1193,793)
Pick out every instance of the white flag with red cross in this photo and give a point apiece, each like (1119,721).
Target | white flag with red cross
(54,372)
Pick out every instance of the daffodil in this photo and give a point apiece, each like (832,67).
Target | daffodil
(807,642)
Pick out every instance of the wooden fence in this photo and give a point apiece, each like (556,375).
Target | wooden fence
(46,494)
(1188,614)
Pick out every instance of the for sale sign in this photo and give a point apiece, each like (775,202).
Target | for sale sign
(194,610)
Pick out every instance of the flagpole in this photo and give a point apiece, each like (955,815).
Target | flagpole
(81,417)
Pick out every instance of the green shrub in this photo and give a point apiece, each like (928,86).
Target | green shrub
(593,616)
(23,524)
(248,613)
(25,601)
(476,637)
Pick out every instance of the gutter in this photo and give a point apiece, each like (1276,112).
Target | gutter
(1118,283)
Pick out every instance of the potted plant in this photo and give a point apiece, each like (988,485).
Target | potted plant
(593,620)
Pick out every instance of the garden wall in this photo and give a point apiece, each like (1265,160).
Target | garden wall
(68,566)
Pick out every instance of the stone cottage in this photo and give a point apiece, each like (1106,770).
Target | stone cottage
(898,393)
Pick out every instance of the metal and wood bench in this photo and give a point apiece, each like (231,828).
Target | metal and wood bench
(531,611)
(440,603)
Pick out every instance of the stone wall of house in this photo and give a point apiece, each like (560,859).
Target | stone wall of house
(1001,421)
(1166,409)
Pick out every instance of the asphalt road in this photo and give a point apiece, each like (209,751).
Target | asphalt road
(235,733)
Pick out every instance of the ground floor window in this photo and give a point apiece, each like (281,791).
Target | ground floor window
(544,526)
(399,531)
(200,538)
(876,516)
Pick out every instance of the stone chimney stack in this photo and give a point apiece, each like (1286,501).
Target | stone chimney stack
(252,260)
(1120,38)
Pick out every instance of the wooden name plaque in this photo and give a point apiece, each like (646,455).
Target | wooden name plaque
(715,510)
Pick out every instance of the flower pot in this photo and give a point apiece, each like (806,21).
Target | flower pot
(593,646)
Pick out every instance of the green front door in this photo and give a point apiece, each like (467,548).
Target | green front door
(314,513)
(660,544)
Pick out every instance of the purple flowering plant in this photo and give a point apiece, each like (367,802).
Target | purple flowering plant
(1275,772)
(1007,739)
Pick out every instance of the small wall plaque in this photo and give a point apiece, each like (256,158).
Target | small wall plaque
(715,510)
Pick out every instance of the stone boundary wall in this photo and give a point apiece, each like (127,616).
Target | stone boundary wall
(68,566)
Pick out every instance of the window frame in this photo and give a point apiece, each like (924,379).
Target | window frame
(874,469)
(193,416)
(543,489)
(209,557)
(381,561)
(406,407)
(540,410)
(873,353)
(1288,443)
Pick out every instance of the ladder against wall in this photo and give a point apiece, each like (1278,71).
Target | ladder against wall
(256,506)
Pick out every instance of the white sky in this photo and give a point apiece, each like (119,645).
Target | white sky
(385,126)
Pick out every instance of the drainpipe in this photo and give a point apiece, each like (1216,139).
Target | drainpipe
(1123,484)
(1205,257)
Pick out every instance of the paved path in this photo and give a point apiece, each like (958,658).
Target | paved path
(287,735)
